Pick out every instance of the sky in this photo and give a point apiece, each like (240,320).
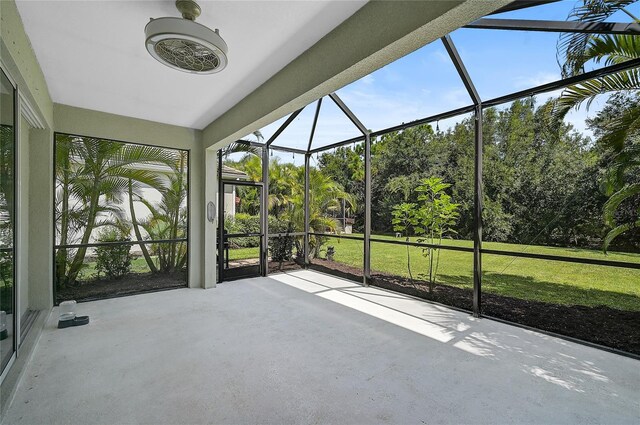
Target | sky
(425,82)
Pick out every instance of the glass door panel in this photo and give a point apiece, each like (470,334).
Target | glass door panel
(7,221)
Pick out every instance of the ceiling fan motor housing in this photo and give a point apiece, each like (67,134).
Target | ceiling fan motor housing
(185,45)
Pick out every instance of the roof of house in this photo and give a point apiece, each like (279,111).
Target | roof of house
(232,173)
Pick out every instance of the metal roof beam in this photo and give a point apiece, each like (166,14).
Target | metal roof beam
(336,99)
(522,4)
(556,26)
(462,71)
(283,126)
(560,84)
(313,126)
(286,149)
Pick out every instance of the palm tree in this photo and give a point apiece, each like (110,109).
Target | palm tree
(92,176)
(622,185)
(243,146)
(574,51)
(572,47)
(282,181)
(135,224)
(167,219)
(287,196)
(325,197)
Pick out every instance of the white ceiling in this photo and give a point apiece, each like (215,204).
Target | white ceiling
(93,56)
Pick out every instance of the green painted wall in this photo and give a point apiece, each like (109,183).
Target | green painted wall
(40,216)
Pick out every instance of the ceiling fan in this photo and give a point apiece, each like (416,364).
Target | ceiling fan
(183,44)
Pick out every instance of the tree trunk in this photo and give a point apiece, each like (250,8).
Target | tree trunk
(62,254)
(409,265)
(174,226)
(430,270)
(183,260)
(136,229)
(78,259)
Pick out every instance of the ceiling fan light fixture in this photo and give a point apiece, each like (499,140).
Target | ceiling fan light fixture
(185,45)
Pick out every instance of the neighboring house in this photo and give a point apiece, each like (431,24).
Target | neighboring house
(153,196)
(150,194)
(230,199)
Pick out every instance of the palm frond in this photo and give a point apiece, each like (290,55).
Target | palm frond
(617,231)
(614,49)
(616,199)
(618,133)
(239,146)
(571,47)
(576,95)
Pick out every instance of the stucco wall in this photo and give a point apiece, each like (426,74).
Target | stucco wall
(40,216)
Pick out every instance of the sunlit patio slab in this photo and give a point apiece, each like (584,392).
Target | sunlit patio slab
(305,347)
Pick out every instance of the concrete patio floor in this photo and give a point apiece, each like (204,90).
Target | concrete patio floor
(308,348)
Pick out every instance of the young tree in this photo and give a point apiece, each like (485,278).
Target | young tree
(431,218)
(404,220)
(434,220)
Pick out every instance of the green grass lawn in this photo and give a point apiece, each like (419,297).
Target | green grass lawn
(138,265)
(531,279)
(540,280)
(244,253)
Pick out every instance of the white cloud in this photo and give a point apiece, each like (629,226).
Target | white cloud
(456,98)
(441,55)
(538,79)
(367,80)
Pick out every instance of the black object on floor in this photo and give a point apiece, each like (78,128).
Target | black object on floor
(76,321)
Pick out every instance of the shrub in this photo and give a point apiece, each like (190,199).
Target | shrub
(281,248)
(6,268)
(243,223)
(114,261)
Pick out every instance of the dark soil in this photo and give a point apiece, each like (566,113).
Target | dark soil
(286,266)
(601,325)
(127,285)
(337,269)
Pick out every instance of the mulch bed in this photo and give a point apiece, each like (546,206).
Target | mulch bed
(286,266)
(127,285)
(601,325)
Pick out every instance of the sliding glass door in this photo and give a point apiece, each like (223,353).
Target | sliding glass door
(7,221)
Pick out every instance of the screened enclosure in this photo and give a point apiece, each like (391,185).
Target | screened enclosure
(495,170)
(121,218)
